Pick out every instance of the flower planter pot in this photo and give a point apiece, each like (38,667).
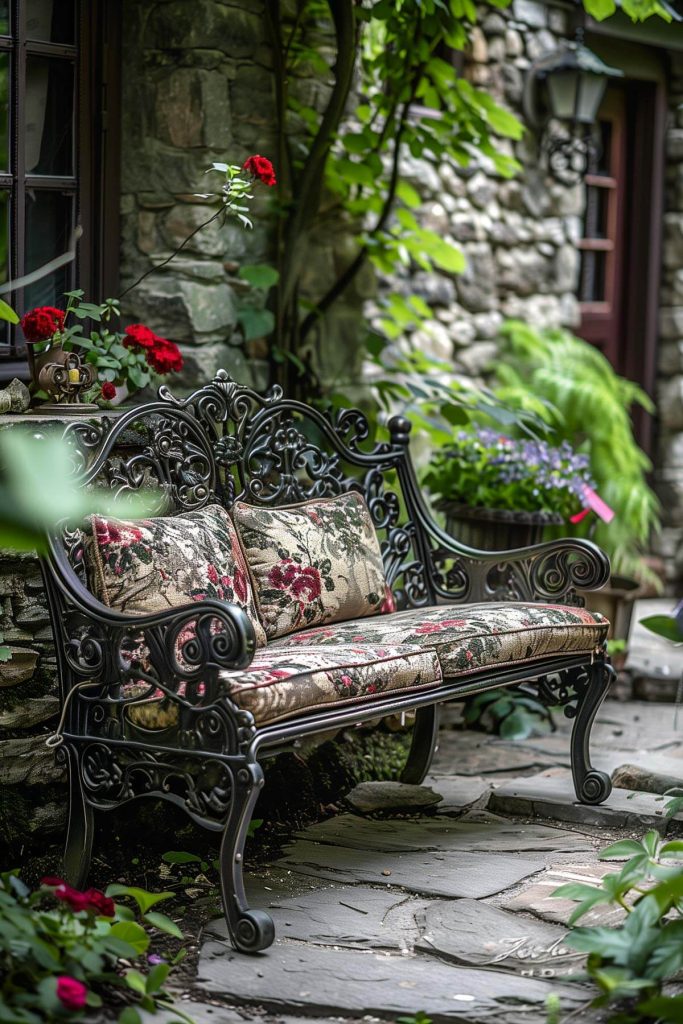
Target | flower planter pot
(616,602)
(495,529)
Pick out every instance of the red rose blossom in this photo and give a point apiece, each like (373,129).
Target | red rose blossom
(138,336)
(41,323)
(99,904)
(108,391)
(164,357)
(261,168)
(71,993)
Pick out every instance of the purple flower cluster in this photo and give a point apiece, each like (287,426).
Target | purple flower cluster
(484,467)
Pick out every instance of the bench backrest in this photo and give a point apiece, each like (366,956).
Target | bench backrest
(227,442)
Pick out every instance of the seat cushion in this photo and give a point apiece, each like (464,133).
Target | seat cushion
(315,562)
(468,638)
(154,564)
(281,684)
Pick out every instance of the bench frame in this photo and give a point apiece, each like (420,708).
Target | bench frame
(226,442)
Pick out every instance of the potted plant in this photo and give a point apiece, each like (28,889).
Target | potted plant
(122,361)
(498,492)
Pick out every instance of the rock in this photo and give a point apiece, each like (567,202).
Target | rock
(192,108)
(388,797)
(538,898)
(551,795)
(494,25)
(671,323)
(185,310)
(28,761)
(540,43)
(635,777)
(514,43)
(478,357)
(476,286)
(481,190)
(530,12)
(451,874)
(354,983)
(478,935)
(458,792)
(20,667)
(480,833)
(353,917)
(434,288)
(16,397)
(29,713)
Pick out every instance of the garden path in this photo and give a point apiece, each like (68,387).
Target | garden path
(448,914)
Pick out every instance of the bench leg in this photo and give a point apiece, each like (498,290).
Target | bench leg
(80,824)
(591,786)
(250,930)
(423,745)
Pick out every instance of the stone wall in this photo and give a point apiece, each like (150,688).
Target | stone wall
(669,458)
(519,236)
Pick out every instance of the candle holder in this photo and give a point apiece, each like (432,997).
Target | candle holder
(64,376)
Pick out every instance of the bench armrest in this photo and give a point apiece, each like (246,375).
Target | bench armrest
(95,637)
(552,571)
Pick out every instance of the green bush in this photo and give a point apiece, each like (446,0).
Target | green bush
(571,386)
(62,949)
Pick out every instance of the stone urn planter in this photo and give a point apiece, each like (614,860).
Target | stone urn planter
(495,529)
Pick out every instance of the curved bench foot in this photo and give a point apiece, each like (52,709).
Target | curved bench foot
(80,824)
(591,786)
(423,745)
(250,930)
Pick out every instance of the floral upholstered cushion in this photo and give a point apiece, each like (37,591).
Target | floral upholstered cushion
(154,564)
(315,562)
(285,683)
(471,637)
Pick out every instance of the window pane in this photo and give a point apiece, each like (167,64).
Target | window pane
(593,278)
(4,112)
(4,17)
(597,209)
(4,259)
(49,116)
(50,20)
(49,219)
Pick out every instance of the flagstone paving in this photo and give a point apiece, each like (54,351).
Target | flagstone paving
(449,913)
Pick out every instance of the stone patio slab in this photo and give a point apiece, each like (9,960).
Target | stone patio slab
(475,753)
(550,794)
(434,834)
(480,935)
(293,977)
(536,898)
(432,873)
(355,917)
(458,791)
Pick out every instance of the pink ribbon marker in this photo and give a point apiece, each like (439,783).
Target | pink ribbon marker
(595,502)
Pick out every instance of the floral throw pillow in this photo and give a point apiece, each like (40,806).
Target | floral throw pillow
(315,562)
(154,564)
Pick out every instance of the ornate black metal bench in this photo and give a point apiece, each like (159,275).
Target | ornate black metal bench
(225,443)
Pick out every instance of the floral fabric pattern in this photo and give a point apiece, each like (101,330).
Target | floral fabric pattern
(313,563)
(279,685)
(154,564)
(470,637)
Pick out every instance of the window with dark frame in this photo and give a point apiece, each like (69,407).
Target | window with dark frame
(58,152)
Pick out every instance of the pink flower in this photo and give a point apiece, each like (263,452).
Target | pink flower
(212,573)
(428,627)
(346,681)
(240,584)
(71,993)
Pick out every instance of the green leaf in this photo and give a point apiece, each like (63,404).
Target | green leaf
(600,9)
(259,275)
(145,900)
(665,1008)
(156,978)
(624,848)
(129,1016)
(7,313)
(256,323)
(663,625)
(163,923)
(135,980)
(132,933)
(180,857)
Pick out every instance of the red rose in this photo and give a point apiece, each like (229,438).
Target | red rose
(71,993)
(99,904)
(75,899)
(240,584)
(261,168)
(41,323)
(139,336)
(164,357)
(108,391)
